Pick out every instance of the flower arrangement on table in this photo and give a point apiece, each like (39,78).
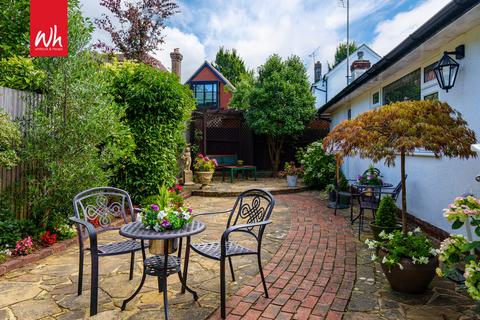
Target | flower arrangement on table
(164,212)
(415,246)
(370,178)
(289,169)
(204,164)
(169,218)
(458,250)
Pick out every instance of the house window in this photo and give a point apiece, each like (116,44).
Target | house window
(206,94)
(349,114)
(428,73)
(376,98)
(405,88)
(431,96)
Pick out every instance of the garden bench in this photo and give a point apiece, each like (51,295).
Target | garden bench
(224,159)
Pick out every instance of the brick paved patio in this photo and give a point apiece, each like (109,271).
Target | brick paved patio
(311,275)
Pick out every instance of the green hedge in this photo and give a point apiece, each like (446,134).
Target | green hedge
(20,73)
(319,167)
(157,108)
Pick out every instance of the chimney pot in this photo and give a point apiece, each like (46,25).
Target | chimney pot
(177,58)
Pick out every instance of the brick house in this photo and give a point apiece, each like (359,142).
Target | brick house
(210,87)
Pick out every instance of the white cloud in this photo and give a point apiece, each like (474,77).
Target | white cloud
(192,50)
(390,33)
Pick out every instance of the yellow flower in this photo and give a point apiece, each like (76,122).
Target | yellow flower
(439,272)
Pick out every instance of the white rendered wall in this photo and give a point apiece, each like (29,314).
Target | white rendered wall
(432,183)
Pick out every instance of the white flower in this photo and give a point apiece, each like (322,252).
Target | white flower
(434,252)
(374,257)
(156,227)
(384,260)
(410,233)
(400,266)
(372,244)
(186,215)
(139,216)
(417,229)
(382,234)
(161,214)
(390,236)
(423,260)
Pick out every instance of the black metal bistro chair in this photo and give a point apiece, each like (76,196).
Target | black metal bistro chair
(97,209)
(370,200)
(249,215)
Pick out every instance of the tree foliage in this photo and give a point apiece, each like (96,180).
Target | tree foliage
(399,129)
(157,108)
(14,27)
(231,65)
(278,102)
(17,72)
(75,136)
(319,167)
(139,28)
(9,141)
(341,53)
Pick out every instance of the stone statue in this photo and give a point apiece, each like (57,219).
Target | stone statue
(187,163)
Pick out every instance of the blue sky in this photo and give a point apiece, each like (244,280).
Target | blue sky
(259,28)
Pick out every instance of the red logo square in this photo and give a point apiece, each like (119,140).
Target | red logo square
(48,28)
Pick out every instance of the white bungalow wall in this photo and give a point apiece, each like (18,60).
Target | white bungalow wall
(432,183)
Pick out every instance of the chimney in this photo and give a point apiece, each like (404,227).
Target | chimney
(317,71)
(359,66)
(176,57)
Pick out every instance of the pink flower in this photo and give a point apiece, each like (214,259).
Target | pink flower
(189,210)
(166,224)
(155,207)
(179,187)
(215,161)
(200,155)
(206,159)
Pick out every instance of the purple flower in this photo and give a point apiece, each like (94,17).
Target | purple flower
(155,207)
(189,210)
(166,224)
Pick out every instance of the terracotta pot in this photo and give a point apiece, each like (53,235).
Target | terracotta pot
(157,247)
(414,278)
(376,230)
(204,177)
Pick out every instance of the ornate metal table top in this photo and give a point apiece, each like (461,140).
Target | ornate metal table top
(136,230)
(384,185)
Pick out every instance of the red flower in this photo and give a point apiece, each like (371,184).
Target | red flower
(49,238)
(200,155)
(179,187)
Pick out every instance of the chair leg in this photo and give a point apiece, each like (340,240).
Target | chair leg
(337,200)
(94,285)
(360,222)
(231,268)
(80,271)
(185,265)
(222,289)
(165,297)
(160,283)
(259,259)
(132,263)
(351,208)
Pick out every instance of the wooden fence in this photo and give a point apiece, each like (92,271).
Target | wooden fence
(16,103)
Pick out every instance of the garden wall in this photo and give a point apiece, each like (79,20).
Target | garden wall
(16,104)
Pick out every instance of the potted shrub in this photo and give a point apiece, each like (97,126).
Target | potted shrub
(431,125)
(292,173)
(408,261)
(204,169)
(385,218)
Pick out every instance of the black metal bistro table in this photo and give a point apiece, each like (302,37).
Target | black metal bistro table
(361,186)
(164,265)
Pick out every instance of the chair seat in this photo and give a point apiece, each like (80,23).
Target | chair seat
(372,205)
(212,249)
(120,247)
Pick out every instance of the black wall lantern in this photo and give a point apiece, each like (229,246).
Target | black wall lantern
(447,68)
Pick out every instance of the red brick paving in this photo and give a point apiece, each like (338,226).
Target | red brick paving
(312,274)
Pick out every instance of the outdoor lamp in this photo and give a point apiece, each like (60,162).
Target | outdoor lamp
(446,68)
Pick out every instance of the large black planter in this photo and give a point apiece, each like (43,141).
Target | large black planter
(414,278)
(376,230)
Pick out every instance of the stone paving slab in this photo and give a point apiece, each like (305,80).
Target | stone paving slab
(47,289)
(219,188)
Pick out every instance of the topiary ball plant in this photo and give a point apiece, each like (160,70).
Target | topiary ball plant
(385,216)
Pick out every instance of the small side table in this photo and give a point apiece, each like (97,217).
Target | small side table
(164,265)
(243,169)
